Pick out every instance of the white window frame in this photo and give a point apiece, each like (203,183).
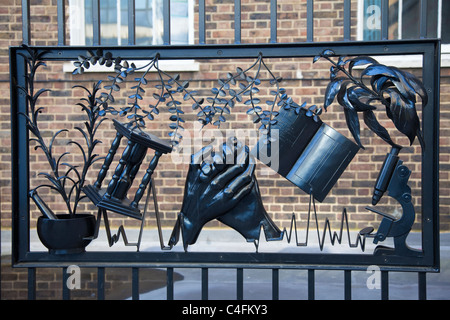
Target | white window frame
(412,61)
(77,29)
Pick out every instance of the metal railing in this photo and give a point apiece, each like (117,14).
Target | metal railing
(429,49)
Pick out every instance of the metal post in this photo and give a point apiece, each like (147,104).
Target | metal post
(237,21)
(347,20)
(240,284)
(201,22)
(166,16)
(131,22)
(26,33)
(384,285)
(61,13)
(100,283)
(96,22)
(422,285)
(348,285)
(384,19)
(273,21)
(31,283)
(135,283)
(169,283)
(423,18)
(311,284)
(310,21)
(204,283)
(275,284)
(65,288)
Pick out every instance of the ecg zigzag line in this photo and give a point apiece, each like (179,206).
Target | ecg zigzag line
(334,236)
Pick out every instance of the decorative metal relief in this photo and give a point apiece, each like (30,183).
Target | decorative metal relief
(221,183)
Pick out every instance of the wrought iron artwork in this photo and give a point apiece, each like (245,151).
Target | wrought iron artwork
(221,184)
(59,180)
(395,89)
(76,206)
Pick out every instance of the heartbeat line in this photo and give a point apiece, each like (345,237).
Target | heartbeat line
(334,236)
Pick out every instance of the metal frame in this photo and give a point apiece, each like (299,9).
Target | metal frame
(429,49)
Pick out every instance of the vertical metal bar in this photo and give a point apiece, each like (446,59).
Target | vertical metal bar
(422,285)
(26,33)
(169,283)
(273,21)
(347,20)
(311,284)
(384,285)
(96,22)
(239,284)
(204,283)
(100,283)
(20,158)
(430,162)
(275,284)
(61,14)
(65,288)
(135,283)
(423,18)
(131,22)
(201,22)
(310,21)
(31,283)
(237,21)
(166,16)
(384,19)
(348,285)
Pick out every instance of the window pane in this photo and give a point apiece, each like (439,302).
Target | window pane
(149,22)
(179,12)
(144,22)
(372,20)
(404,17)
(411,19)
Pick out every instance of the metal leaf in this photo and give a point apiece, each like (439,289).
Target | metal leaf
(409,85)
(380,83)
(331,91)
(373,124)
(360,61)
(360,98)
(379,69)
(351,117)
(403,113)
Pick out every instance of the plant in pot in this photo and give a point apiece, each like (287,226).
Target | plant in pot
(68,232)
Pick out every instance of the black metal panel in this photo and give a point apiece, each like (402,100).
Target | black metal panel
(430,260)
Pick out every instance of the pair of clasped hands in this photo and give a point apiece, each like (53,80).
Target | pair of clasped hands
(222,185)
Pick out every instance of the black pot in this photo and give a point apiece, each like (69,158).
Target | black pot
(66,235)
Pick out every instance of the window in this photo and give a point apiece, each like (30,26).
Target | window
(149,27)
(114,22)
(404,16)
(403,19)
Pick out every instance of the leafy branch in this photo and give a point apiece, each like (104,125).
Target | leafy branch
(394,88)
(167,88)
(72,174)
(241,87)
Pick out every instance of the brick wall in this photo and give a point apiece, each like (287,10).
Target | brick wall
(304,82)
